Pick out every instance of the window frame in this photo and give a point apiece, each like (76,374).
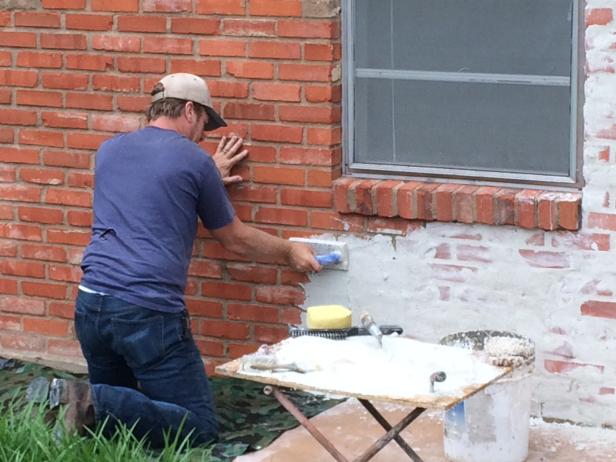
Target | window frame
(366,170)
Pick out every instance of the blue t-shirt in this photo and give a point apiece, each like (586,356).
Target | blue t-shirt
(151,185)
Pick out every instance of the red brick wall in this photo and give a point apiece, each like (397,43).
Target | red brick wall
(74,72)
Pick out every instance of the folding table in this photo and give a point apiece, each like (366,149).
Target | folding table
(276,383)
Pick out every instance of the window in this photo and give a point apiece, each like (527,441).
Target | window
(474,89)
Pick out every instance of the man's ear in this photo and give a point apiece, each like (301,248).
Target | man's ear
(189,111)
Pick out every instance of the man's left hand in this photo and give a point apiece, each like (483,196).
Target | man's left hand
(227,155)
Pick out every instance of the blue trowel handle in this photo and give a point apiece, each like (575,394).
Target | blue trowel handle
(332,258)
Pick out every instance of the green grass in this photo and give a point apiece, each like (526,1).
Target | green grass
(25,436)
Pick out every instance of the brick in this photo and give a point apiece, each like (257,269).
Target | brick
(170,6)
(569,208)
(61,236)
(20,231)
(249,28)
(22,268)
(68,197)
(341,195)
(65,273)
(43,252)
(63,41)
(80,180)
(17,117)
(41,215)
(276,92)
(89,22)
(204,308)
(228,89)
(224,7)
(66,159)
(250,69)
(89,62)
(7,135)
(232,291)
(309,156)
(463,204)
(308,29)
(64,348)
(321,52)
(78,100)
(42,176)
(121,43)
(280,295)
(182,46)
(306,198)
(236,350)
(151,24)
(310,114)
(386,193)
(243,312)
(53,327)
(85,141)
(5,18)
(114,123)
(425,201)
(38,98)
(250,193)
(283,8)
(13,78)
(277,133)
(20,193)
(6,211)
(545,259)
(270,334)
(40,289)
(274,49)
(225,329)
(579,241)
(324,136)
(600,309)
(258,111)
(8,248)
(210,348)
(198,67)
(361,197)
(205,268)
(406,201)
(65,119)
(64,4)
(79,218)
(278,175)
(215,47)
(6,95)
(547,211)
(10,323)
(249,273)
(484,204)
(323,93)
(306,72)
(126,6)
(41,60)
(17,39)
(65,81)
(41,138)
(504,213)
(475,253)
(133,103)
(444,201)
(199,26)
(526,208)
(334,221)
(141,65)
(562,367)
(281,216)
(6,59)
(22,342)
(599,16)
(37,19)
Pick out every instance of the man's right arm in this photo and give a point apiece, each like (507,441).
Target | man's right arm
(253,243)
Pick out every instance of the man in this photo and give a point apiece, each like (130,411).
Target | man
(131,320)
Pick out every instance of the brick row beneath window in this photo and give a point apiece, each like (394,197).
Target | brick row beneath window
(446,202)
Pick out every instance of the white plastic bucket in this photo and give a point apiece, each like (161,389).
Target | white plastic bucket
(493,424)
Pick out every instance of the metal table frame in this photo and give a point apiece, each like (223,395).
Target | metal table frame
(393,432)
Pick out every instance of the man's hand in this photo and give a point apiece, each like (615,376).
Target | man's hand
(301,258)
(227,155)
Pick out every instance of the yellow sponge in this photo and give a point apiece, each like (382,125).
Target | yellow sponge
(328,317)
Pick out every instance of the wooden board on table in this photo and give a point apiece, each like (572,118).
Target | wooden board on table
(297,381)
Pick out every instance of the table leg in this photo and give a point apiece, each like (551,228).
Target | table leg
(397,438)
(301,418)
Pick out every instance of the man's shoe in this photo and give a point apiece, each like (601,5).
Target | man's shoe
(76,396)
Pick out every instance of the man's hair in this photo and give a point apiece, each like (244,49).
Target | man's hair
(168,107)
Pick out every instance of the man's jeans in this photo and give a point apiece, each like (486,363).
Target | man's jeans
(145,370)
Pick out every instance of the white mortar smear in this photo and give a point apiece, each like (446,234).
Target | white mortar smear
(399,371)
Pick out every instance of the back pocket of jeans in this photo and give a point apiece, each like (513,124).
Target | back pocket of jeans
(141,342)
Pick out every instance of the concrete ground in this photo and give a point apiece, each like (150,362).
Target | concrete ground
(352,430)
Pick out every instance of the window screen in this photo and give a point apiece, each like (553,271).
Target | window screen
(475,87)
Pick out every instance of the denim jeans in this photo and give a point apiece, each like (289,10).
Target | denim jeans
(145,370)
